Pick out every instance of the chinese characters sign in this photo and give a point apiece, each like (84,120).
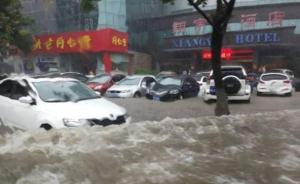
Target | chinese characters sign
(248,21)
(74,42)
(179,27)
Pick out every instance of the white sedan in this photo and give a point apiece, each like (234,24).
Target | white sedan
(274,83)
(131,86)
(30,103)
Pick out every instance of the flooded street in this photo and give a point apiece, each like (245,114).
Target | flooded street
(239,149)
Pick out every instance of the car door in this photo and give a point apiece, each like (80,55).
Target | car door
(25,115)
(147,81)
(6,108)
(190,87)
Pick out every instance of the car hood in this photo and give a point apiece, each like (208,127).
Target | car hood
(86,109)
(123,87)
(159,88)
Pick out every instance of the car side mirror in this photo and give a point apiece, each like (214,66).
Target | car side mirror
(26,100)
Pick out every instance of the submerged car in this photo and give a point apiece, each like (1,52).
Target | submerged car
(172,88)
(131,86)
(275,84)
(235,84)
(30,103)
(102,82)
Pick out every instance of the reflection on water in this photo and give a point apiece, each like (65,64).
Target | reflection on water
(240,149)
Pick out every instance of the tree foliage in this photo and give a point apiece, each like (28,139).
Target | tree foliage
(13,24)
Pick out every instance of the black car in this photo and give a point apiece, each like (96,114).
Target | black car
(172,88)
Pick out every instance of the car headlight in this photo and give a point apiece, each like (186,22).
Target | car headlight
(126,116)
(174,91)
(74,123)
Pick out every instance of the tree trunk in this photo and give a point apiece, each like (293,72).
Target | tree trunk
(222,99)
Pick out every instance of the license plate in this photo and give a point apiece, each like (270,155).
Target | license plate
(156,98)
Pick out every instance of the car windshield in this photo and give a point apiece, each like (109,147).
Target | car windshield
(129,81)
(100,79)
(63,91)
(273,77)
(170,81)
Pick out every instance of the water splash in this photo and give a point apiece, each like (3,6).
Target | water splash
(257,148)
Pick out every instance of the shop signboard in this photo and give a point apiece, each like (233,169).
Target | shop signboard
(87,41)
(237,38)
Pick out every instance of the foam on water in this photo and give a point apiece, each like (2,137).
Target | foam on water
(257,148)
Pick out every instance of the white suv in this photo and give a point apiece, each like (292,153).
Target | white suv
(235,84)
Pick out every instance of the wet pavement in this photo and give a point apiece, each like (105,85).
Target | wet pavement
(144,109)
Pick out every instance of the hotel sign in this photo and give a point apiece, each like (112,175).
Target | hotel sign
(232,39)
(250,38)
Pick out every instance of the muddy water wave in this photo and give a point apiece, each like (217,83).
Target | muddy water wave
(239,149)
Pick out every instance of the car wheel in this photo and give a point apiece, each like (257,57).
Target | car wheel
(137,95)
(258,94)
(46,126)
(232,84)
(288,94)
(180,97)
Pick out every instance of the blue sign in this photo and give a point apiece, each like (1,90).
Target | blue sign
(190,43)
(249,38)
(238,39)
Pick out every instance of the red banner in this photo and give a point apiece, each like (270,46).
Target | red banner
(87,41)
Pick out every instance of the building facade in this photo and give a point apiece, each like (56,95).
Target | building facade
(260,35)
(63,29)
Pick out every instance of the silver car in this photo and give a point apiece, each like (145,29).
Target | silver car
(131,86)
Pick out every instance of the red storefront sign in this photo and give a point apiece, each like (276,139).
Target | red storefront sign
(107,40)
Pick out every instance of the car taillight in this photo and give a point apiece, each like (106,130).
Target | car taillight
(287,81)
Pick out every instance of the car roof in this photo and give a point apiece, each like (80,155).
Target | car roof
(282,69)
(273,73)
(38,79)
(139,76)
(232,66)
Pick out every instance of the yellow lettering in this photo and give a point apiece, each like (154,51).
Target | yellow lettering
(37,44)
(114,40)
(60,43)
(85,42)
(71,42)
(49,43)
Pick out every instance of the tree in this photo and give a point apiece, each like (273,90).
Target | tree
(13,30)
(218,20)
